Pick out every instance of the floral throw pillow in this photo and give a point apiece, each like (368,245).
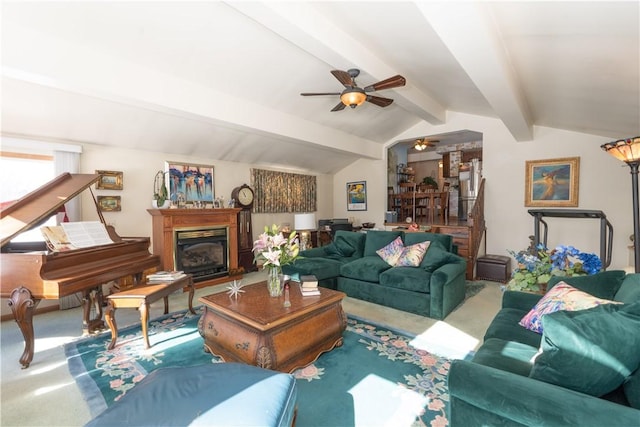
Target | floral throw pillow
(392,251)
(412,255)
(561,297)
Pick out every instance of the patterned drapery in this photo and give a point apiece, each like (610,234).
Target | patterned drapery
(279,192)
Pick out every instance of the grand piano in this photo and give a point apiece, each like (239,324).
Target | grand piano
(30,272)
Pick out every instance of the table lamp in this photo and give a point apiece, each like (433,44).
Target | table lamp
(304,223)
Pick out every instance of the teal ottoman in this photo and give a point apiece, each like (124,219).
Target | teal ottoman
(220,394)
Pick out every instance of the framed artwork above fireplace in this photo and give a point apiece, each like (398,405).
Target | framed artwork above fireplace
(189,183)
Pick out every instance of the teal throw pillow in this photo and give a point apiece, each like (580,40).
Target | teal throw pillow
(435,257)
(591,351)
(412,256)
(344,246)
(391,252)
(602,285)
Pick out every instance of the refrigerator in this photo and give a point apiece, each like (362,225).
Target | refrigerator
(469,178)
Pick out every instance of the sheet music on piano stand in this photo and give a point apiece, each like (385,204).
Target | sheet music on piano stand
(85,234)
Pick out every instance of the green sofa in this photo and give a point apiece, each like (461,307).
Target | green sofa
(350,264)
(501,384)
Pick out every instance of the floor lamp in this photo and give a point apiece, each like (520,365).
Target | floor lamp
(628,150)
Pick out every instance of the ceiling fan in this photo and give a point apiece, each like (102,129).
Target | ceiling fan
(422,144)
(353,95)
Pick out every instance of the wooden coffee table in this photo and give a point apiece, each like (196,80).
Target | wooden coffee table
(257,329)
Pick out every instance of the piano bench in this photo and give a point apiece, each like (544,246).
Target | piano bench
(141,297)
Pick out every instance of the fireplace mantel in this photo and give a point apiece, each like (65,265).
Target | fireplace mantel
(165,221)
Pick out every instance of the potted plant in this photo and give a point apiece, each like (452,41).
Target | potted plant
(160,192)
(430,182)
(537,266)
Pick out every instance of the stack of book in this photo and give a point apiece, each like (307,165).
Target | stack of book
(309,286)
(165,276)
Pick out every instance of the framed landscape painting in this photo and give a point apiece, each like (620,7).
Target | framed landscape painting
(552,182)
(190,182)
(357,196)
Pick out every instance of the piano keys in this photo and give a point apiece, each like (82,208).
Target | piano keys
(30,272)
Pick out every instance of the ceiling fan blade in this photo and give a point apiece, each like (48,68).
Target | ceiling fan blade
(379,101)
(343,77)
(319,93)
(339,107)
(390,83)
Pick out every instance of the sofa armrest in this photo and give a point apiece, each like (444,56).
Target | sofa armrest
(520,300)
(447,287)
(481,395)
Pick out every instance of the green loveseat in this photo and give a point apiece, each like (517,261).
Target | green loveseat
(498,386)
(350,264)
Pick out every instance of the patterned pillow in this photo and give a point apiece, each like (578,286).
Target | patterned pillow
(561,297)
(392,251)
(412,255)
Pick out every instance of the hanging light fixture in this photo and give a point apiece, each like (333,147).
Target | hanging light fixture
(628,150)
(420,145)
(353,97)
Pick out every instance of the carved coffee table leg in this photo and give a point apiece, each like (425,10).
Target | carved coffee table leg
(191,293)
(144,318)
(110,317)
(23,305)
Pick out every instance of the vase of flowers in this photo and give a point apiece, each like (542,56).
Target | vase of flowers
(537,265)
(274,250)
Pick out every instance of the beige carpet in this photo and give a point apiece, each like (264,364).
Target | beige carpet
(45,394)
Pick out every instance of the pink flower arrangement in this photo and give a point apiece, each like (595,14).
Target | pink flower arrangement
(274,249)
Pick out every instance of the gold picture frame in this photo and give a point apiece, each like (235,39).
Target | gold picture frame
(552,182)
(109,180)
(109,203)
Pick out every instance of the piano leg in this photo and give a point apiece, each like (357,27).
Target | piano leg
(23,305)
(92,299)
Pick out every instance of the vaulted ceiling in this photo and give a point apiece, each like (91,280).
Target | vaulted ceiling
(223,79)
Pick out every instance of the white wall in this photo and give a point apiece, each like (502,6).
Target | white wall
(604,185)
(139,169)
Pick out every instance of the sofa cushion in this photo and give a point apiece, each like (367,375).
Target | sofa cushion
(391,252)
(506,355)
(632,389)
(505,326)
(407,278)
(367,268)
(322,268)
(435,257)
(444,239)
(629,291)
(591,351)
(602,285)
(413,255)
(560,297)
(377,239)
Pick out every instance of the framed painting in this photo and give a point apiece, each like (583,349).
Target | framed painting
(109,180)
(357,196)
(189,183)
(109,203)
(552,182)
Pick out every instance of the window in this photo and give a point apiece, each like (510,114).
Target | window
(281,192)
(21,173)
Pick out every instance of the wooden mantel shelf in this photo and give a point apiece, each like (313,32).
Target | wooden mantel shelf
(165,221)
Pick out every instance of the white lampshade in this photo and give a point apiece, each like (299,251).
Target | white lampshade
(305,221)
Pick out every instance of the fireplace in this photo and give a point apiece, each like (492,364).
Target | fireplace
(202,252)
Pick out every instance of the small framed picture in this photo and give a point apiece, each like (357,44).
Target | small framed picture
(552,182)
(357,196)
(109,180)
(109,203)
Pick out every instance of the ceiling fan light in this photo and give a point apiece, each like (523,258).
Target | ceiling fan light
(353,97)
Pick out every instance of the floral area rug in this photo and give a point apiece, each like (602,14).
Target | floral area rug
(376,378)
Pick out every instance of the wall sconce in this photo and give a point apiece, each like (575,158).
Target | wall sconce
(628,150)
(304,223)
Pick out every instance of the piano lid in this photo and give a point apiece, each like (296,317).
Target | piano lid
(32,209)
